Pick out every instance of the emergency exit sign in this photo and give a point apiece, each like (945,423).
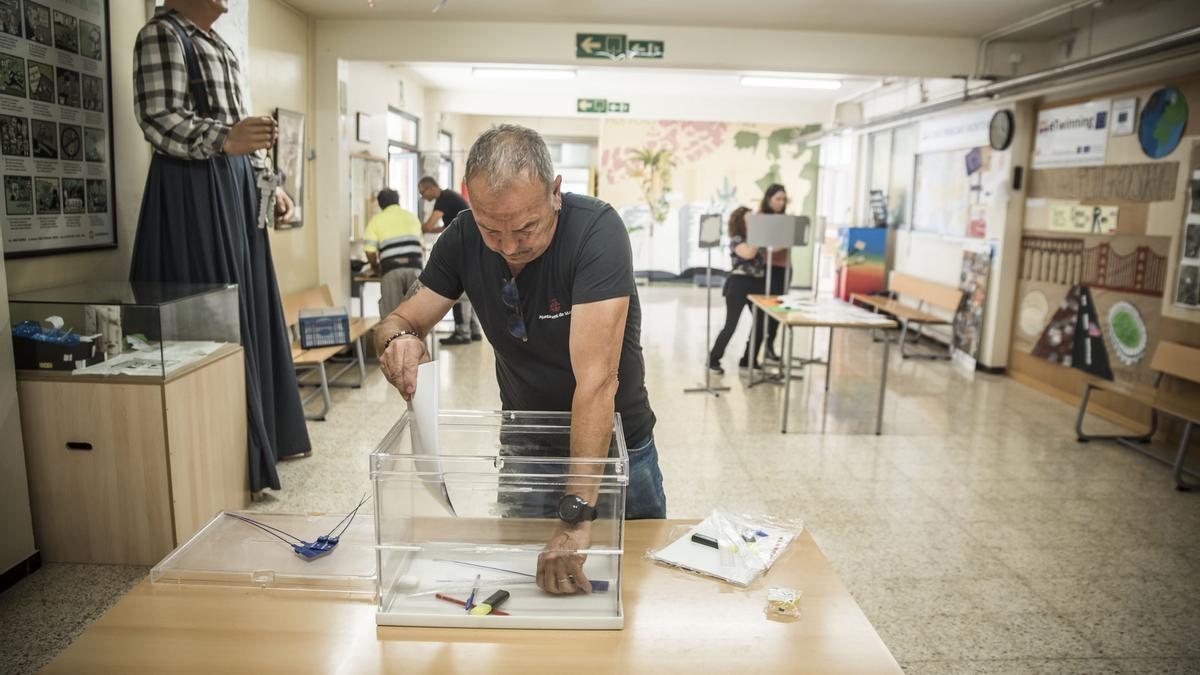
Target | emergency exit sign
(601,105)
(616,47)
(599,45)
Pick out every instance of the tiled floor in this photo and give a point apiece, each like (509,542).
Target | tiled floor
(977,535)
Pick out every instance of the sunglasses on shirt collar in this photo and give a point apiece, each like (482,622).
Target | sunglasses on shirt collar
(512,300)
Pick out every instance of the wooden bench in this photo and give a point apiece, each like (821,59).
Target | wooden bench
(1171,359)
(928,294)
(309,361)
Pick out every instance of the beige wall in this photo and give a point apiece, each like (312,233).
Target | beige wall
(689,46)
(16,523)
(371,88)
(280,73)
(553,127)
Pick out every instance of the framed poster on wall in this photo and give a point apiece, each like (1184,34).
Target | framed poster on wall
(1073,135)
(289,160)
(56,141)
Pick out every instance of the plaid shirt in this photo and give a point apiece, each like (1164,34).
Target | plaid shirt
(165,109)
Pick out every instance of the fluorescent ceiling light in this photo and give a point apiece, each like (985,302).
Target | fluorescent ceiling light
(790,82)
(524,73)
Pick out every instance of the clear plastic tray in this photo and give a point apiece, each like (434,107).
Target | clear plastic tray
(231,552)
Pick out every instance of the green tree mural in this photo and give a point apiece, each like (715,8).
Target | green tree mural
(653,170)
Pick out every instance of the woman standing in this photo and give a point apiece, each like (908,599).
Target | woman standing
(775,200)
(199,218)
(745,278)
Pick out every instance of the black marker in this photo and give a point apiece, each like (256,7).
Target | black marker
(705,540)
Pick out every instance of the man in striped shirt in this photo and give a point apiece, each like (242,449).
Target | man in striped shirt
(392,243)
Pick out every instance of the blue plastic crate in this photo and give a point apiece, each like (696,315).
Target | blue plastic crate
(324,327)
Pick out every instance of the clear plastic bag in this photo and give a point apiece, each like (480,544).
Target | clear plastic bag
(745,546)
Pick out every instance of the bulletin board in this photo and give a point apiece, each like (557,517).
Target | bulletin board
(942,193)
(955,188)
(56,127)
(368,175)
(1106,299)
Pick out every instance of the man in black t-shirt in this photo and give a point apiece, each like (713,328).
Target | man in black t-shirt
(551,277)
(447,204)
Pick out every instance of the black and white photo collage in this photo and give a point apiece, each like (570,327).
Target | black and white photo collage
(1187,287)
(54,125)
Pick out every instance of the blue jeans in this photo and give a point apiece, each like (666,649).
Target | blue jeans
(534,498)
(645,498)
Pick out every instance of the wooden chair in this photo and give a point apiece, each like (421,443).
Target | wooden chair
(1171,359)
(309,361)
(929,294)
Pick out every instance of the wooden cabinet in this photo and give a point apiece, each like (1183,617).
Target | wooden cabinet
(122,469)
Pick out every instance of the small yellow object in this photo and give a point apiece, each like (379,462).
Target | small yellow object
(783,602)
(487,606)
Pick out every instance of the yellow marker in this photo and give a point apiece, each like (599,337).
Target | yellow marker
(494,601)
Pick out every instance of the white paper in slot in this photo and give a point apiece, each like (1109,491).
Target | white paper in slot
(424,409)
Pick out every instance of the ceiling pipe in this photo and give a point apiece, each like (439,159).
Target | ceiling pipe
(1029,22)
(1188,39)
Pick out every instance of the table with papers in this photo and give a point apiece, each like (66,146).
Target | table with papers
(800,312)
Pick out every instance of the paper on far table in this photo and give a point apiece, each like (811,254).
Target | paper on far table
(424,408)
(687,554)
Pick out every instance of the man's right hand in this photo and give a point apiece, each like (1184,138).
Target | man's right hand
(399,363)
(251,135)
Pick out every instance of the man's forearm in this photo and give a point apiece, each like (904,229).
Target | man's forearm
(390,325)
(396,321)
(591,436)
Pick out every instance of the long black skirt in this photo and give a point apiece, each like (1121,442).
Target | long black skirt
(198,226)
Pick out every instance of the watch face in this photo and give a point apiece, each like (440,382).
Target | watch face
(1000,130)
(568,509)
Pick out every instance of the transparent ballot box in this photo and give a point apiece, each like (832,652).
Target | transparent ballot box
(233,553)
(123,329)
(477,498)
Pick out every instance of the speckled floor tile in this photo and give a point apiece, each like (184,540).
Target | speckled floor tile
(1020,667)
(1128,634)
(1161,666)
(988,636)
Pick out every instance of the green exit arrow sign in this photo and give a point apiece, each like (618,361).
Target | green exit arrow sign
(599,45)
(591,105)
(646,49)
(600,105)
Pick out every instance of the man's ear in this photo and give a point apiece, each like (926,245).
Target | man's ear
(556,193)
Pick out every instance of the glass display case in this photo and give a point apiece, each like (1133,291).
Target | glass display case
(121,328)
(475,507)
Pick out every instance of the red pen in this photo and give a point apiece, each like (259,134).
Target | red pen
(463,603)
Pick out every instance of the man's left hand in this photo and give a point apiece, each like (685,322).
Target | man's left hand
(285,208)
(560,567)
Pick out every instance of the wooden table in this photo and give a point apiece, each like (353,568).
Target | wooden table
(829,314)
(675,622)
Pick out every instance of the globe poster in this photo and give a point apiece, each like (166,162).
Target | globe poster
(1163,121)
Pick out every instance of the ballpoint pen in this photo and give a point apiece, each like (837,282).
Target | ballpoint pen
(474,590)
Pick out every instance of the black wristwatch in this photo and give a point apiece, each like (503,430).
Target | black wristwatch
(572,510)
